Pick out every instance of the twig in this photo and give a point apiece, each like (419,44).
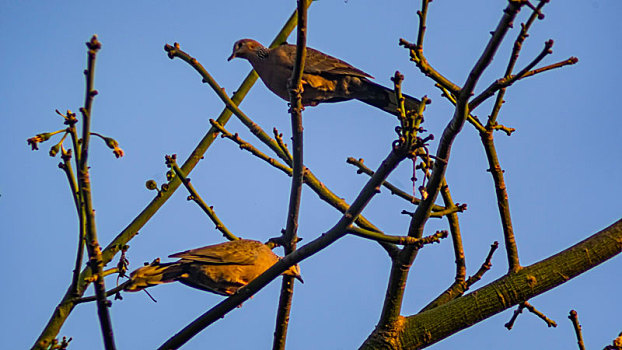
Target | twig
(416,53)
(113,291)
(459,286)
(279,140)
(518,44)
(175,51)
(533,310)
(574,318)
(485,266)
(510,79)
(503,203)
(517,312)
(250,148)
(362,169)
(401,240)
(422,14)
(456,237)
(75,193)
(171,161)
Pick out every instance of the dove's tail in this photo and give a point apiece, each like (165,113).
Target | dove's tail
(384,98)
(153,274)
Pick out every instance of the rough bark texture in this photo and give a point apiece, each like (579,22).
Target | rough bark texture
(431,326)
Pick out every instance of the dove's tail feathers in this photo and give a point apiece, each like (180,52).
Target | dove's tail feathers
(154,274)
(384,98)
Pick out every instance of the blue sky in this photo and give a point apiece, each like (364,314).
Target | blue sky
(562,165)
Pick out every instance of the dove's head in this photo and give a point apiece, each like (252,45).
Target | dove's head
(245,48)
(294,271)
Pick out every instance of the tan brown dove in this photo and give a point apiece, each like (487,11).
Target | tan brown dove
(325,78)
(221,268)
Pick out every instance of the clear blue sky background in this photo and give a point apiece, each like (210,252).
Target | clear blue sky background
(562,165)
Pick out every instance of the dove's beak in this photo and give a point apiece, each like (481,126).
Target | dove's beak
(298,277)
(231,57)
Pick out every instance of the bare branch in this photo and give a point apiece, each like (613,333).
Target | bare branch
(574,318)
(290,235)
(171,162)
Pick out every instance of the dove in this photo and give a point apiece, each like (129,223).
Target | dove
(324,79)
(221,268)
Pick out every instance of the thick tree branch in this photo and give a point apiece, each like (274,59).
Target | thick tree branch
(429,327)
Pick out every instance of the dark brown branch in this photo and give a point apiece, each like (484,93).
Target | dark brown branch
(290,235)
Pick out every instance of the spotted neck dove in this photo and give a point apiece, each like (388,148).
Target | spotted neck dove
(325,78)
(222,268)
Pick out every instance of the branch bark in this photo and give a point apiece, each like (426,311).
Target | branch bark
(426,328)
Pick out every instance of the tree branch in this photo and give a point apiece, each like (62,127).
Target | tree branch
(290,236)
(84,185)
(429,327)
(194,196)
